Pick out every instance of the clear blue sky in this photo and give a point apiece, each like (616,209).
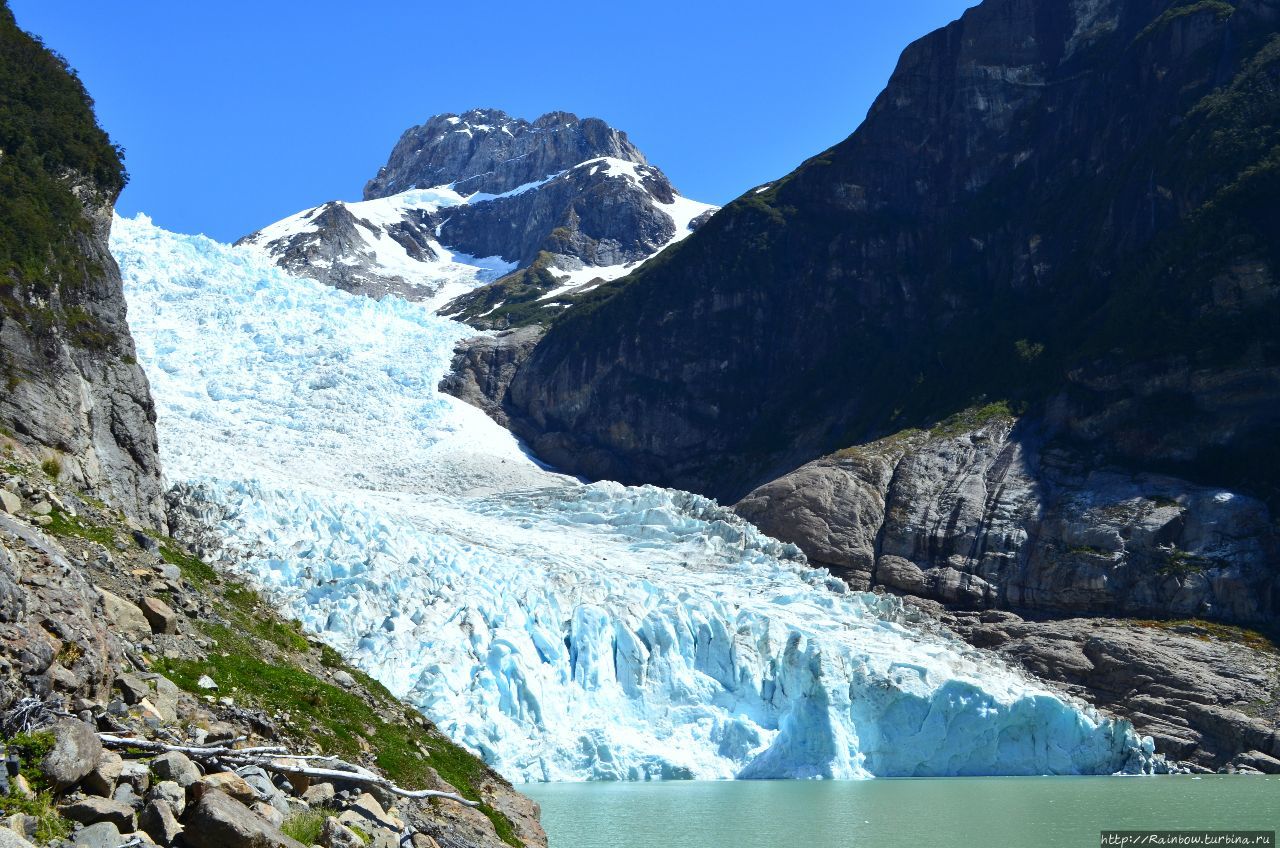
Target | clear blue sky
(237,113)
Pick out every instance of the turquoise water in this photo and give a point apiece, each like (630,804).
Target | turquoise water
(996,812)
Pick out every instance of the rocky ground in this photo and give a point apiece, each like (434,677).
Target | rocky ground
(147,699)
(1208,694)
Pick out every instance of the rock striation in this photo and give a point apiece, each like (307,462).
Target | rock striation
(992,513)
(73,394)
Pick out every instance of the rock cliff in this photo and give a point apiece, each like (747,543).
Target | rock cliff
(73,394)
(985,512)
(1069,206)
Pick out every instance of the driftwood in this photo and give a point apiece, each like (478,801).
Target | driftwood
(268,757)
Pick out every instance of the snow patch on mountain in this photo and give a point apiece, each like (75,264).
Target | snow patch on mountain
(565,631)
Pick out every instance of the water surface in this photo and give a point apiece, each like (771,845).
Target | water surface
(986,812)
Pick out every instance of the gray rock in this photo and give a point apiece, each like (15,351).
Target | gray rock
(10,502)
(483,367)
(269,812)
(75,753)
(206,682)
(171,794)
(176,767)
(137,774)
(92,809)
(100,835)
(41,508)
(260,782)
(344,679)
(125,794)
(160,616)
(132,687)
(993,516)
(102,780)
(10,839)
(219,821)
(159,822)
(125,616)
(1204,701)
(87,404)
(319,794)
(335,834)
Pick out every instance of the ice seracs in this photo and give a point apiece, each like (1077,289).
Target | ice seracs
(565,631)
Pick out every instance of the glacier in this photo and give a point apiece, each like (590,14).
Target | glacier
(563,630)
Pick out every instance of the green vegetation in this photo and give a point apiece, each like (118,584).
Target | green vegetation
(196,571)
(64,524)
(513,300)
(1210,630)
(1220,8)
(47,132)
(32,748)
(337,721)
(52,467)
(306,826)
(1180,563)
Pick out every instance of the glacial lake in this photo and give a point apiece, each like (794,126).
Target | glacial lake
(996,812)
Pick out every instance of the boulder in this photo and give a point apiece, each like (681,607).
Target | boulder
(159,822)
(137,774)
(102,780)
(335,834)
(220,821)
(268,812)
(319,794)
(160,616)
(170,793)
(100,835)
(92,809)
(176,767)
(128,620)
(227,782)
(132,688)
(76,752)
(10,839)
(10,502)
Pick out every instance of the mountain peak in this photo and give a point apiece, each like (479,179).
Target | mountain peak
(487,150)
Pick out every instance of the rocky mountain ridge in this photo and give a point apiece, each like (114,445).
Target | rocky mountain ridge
(465,199)
(1065,207)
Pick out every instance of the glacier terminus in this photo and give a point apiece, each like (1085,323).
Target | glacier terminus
(563,630)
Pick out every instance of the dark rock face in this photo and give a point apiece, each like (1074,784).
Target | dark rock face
(1206,701)
(483,366)
(996,515)
(1065,204)
(73,392)
(486,150)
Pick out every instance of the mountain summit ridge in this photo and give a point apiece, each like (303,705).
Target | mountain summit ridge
(487,150)
(557,204)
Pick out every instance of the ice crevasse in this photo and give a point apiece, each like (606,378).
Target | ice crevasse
(564,631)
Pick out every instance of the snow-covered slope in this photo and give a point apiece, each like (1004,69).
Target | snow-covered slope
(572,194)
(565,631)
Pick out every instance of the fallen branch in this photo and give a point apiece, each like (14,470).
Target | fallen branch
(198,751)
(267,757)
(360,776)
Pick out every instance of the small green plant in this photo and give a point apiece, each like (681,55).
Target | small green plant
(197,572)
(52,467)
(1180,563)
(360,832)
(1028,351)
(305,826)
